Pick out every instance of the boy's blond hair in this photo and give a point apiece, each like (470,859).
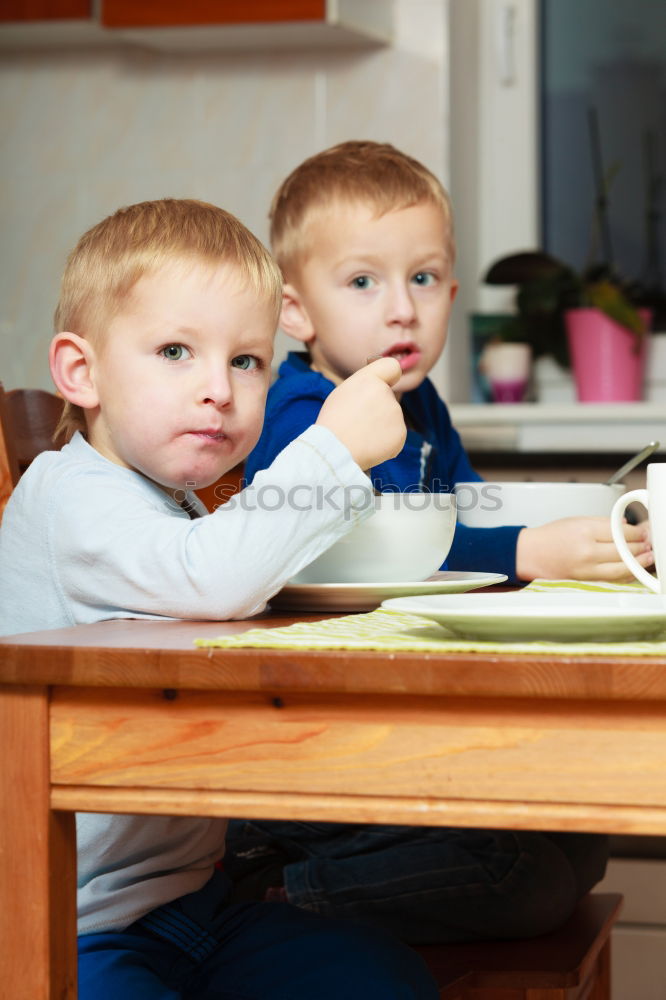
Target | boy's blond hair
(353,172)
(137,240)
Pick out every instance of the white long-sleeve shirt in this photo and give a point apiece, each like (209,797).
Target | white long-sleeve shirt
(85,540)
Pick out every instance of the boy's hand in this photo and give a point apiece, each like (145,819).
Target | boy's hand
(579,548)
(364,414)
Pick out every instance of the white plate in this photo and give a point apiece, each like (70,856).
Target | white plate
(368,596)
(524,615)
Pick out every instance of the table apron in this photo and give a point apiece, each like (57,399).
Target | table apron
(511,762)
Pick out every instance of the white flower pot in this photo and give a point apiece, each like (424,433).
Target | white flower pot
(507,368)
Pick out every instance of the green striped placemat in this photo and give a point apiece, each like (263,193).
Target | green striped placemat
(589,586)
(396,632)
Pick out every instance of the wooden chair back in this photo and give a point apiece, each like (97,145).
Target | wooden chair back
(9,472)
(222,491)
(33,418)
(28,420)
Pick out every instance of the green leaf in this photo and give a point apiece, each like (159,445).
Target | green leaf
(611,300)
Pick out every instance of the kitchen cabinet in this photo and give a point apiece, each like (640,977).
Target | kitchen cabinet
(44,10)
(199,24)
(168,13)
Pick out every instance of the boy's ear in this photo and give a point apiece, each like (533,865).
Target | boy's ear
(70,358)
(294,318)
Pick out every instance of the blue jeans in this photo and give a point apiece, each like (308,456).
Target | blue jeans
(202,948)
(424,884)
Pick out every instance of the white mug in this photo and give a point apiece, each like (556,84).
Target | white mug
(654,500)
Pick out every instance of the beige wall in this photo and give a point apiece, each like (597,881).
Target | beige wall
(84,132)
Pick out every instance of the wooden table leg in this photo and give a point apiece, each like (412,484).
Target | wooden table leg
(37,858)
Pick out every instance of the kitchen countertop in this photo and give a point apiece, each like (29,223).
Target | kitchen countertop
(560,427)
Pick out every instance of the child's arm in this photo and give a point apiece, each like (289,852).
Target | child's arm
(576,548)
(119,547)
(485,550)
(285,419)
(579,548)
(382,432)
(290,411)
(480,550)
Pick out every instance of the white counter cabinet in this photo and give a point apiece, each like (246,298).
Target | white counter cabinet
(592,428)
(638,953)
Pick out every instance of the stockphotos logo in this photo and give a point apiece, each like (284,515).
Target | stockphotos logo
(349,500)
(478,496)
(303,497)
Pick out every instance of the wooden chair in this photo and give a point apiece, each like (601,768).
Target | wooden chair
(28,419)
(572,963)
(33,417)
(221,491)
(9,472)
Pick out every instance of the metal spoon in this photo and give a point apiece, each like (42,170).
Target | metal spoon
(632,463)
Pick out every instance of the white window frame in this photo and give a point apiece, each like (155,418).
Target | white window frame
(495,167)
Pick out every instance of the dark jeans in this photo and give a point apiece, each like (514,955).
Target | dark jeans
(425,884)
(202,948)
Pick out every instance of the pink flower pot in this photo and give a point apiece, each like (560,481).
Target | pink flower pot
(607,367)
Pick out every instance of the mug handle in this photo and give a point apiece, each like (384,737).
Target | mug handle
(629,560)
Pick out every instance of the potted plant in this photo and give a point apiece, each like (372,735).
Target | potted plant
(593,321)
(590,321)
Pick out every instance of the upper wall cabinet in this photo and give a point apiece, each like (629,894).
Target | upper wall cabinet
(43,10)
(197,24)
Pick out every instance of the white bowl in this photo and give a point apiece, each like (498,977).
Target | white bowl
(491,504)
(406,539)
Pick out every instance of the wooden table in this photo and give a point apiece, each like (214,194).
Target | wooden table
(128,716)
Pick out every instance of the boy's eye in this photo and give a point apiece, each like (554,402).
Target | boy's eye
(175,352)
(424,278)
(362,281)
(246,362)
